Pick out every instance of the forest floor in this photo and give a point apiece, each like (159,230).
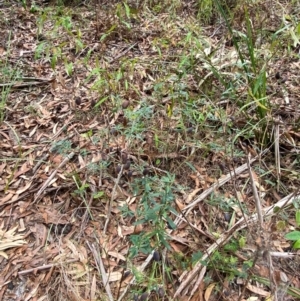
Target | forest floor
(150,151)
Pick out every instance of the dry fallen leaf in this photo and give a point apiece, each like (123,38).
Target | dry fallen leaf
(208,291)
(257,290)
(114,276)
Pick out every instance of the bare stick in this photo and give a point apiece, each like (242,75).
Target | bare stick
(44,186)
(141,269)
(27,81)
(122,53)
(44,267)
(255,195)
(111,199)
(101,270)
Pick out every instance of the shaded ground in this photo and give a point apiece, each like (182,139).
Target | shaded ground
(121,122)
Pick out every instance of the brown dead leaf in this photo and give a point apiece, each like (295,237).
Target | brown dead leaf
(24,188)
(2,167)
(179,204)
(6,198)
(22,170)
(208,291)
(196,179)
(57,159)
(258,290)
(93,288)
(82,163)
(126,230)
(117,255)
(2,51)
(138,229)
(263,271)
(114,276)
(176,247)
(191,196)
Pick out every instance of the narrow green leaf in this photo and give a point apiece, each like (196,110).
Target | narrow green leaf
(298,218)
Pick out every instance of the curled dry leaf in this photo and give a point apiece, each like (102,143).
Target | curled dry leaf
(208,291)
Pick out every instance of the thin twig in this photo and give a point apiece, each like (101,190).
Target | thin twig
(111,200)
(140,269)
(44,267)
(122,53)
(47,182)
(101,270)
(277,152)
(255,195)
(283,254)
(273,285)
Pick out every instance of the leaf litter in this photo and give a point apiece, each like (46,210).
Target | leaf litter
(68,124)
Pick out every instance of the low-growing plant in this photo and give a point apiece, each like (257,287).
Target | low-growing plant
(62,147)
(61,22)
(154,213)
(295,235)
(251,67)
(9,76)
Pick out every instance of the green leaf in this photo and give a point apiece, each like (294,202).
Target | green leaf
(294,235)
(100,102)
(69,68)
(297,30)
(171,223)
(127,10)
(87,134)
(297,244)
(242,242)
(99,194)
(39,50)
(295,38)
(298,218)
(196,257)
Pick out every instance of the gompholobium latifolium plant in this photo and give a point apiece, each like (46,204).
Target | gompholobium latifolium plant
(155,212)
